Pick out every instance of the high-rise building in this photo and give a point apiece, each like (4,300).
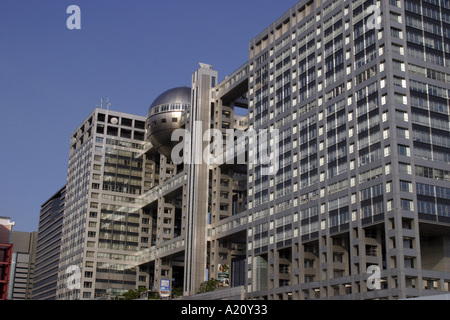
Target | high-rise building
(101,222)
(22,265)
(319,169)
(359,91)
(48,245)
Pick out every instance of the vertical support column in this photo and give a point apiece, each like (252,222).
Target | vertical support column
(198,177)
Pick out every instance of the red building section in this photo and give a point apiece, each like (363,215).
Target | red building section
(5,268)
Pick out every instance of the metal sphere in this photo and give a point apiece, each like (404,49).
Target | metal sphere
(164,117)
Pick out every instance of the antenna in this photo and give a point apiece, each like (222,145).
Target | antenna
(101,103)
(107,104)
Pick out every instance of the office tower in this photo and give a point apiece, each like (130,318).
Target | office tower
(48,245)
(6,248)
(101,222)
(359,91)
(22,265)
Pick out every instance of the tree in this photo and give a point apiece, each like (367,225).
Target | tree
(208,286)
(134,294)
(177,292)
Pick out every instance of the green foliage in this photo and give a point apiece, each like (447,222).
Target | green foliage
(134,294)
(177,292)
(209,286)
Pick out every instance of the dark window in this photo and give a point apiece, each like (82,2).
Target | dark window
(127,122)
(139,124)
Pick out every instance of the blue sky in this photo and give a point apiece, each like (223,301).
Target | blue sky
(129,51)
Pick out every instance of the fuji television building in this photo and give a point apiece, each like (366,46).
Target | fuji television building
(357,207)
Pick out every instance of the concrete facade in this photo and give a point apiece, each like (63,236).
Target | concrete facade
(102,226)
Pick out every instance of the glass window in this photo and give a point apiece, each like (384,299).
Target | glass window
(404,150)
(406,186)
(407,205)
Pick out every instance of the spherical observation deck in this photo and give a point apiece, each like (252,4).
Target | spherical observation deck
(164,117)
